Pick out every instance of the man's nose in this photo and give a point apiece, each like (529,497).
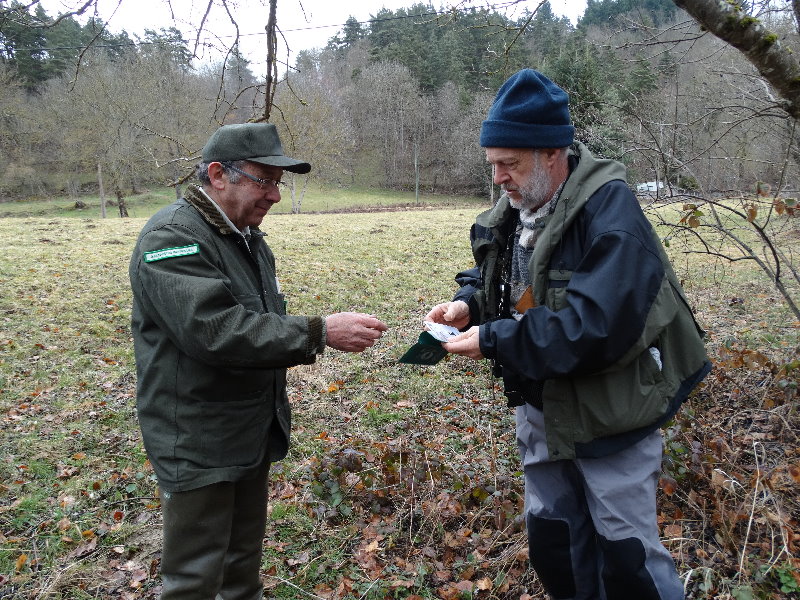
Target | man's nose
(500,175)
(274,194)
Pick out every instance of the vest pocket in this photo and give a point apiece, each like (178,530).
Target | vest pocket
(618,401)
(556,293)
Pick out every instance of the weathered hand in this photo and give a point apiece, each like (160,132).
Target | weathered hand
(455,314)
(352,332)
(467,344)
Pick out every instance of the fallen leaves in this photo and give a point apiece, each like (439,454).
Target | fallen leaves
(85,549)
(21,561)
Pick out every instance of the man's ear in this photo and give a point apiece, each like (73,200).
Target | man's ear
(550,156)
(216,172)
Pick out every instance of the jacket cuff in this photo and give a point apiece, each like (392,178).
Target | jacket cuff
(474,312)
(485,342)
(316,337)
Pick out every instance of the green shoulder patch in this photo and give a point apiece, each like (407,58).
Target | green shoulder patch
(171,253)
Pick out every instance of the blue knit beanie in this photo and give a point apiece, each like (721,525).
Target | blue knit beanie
(529,111)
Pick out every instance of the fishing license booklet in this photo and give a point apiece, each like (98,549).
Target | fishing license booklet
(428,349)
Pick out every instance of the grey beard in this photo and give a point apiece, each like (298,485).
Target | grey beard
(536,191)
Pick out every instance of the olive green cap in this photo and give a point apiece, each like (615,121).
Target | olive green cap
(256,142)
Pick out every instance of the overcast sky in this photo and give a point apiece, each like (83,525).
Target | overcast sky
(305,23)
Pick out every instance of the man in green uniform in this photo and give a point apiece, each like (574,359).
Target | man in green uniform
(213,342)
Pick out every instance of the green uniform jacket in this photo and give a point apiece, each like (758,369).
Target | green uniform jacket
(605,295)
(212,343)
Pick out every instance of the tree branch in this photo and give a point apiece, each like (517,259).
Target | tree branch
(729,22)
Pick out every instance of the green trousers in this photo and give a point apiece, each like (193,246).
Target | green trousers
(213,540)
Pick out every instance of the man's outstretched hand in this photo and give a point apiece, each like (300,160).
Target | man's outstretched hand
(353,332)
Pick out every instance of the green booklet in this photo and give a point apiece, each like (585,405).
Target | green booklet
(428,349)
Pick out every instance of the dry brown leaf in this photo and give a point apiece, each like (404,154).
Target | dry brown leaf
(484,584)
(323,590)
(673,531)
(21,560)
(718,479)
(668,485)
(302,559)
(464,585)
(84,549)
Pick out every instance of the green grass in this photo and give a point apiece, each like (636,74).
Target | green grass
(316,198)
(401,480)
(139,205)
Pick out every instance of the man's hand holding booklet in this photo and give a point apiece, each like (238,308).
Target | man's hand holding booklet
(428,349)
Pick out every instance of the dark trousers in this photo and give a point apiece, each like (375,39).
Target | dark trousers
(213,540)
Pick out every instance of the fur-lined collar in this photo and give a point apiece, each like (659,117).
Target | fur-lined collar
(195,196)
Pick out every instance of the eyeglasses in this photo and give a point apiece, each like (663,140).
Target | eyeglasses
(262,183)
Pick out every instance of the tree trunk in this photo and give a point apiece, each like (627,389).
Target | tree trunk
(796,10)
(101,190)
(272,65)
(297,202)
(177,153)
(123,209)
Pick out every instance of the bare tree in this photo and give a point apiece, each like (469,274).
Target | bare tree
(310,117)
(131,120)
(385,105)
(717,133)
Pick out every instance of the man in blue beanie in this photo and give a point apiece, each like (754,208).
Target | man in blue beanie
(576,304)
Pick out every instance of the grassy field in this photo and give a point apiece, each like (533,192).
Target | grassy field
(402,481)
(310,200)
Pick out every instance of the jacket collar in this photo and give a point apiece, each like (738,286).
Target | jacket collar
(588,174)
(213,214)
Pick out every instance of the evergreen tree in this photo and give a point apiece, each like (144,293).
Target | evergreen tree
(586,75)
(167,43)
(605,12)
(639,83)
(23,43)
(546,33)
(115,46)
(474,48)
(409,37)
(63,43)
(668,65)
(41,48)
(352,33)
(237,68)
(307,62)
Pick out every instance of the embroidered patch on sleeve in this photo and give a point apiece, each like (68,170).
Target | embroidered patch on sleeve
(171,253)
